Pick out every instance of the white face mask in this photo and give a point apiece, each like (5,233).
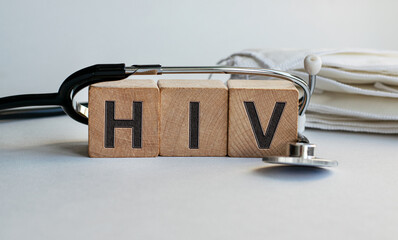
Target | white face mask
(357,89)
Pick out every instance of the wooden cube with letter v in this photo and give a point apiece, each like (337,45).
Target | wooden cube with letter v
(124,119)
(263,117)
(194,118)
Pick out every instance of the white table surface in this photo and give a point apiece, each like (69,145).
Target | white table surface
(50,189)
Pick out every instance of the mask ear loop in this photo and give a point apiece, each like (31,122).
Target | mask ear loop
(312,65)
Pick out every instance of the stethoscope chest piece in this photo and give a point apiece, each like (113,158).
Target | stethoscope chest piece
(301,154)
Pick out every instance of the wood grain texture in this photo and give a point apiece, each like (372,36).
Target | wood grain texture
(265,94)
(124,93)
(176,95)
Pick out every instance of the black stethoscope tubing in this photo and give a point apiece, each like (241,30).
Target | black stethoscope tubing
(63,100)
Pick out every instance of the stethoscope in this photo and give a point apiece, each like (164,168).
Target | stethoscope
(300,152)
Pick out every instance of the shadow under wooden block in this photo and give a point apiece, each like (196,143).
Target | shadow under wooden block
(124,119)
(194,118)
(262,117)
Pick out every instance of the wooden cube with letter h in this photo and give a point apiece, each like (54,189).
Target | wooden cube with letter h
(263,117)
(124,119)
(194,118)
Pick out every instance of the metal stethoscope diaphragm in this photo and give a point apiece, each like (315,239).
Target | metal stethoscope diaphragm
(300,152)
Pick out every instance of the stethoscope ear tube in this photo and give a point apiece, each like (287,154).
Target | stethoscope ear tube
(112,72)
(107,72)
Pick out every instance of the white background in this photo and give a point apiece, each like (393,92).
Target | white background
(50,189)
(42,42)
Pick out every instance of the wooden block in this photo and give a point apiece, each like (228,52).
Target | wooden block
(194,118)
(124,119)
(262,117)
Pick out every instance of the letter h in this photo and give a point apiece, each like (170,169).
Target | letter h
(111,123)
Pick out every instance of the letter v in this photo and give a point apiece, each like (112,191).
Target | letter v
(264,140)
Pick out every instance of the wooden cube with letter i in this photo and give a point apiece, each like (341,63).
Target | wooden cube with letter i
(124,119)
(263,117)
(194,118)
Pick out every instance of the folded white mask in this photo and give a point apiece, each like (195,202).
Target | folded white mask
(356,90)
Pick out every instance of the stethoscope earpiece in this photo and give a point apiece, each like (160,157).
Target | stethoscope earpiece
(312,64)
